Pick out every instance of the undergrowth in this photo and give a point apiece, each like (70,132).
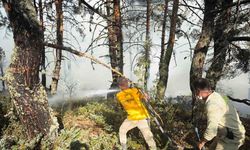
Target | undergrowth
(94,125)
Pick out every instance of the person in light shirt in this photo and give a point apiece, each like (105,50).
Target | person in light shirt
(223,122)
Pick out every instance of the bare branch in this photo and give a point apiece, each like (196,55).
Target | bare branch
(82,54)
(193,7)
(199,5)
(95,10)
(189,42)
(184,18)
(245,101)
(247,38)
(193,11)
(231,5)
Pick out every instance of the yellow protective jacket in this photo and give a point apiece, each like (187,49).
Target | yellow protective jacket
(130,99)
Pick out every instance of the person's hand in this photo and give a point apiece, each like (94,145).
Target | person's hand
(200,144)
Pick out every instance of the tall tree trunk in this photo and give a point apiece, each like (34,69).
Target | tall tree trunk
(2,56)
(115,39)
(28,95)
(221,44)
(43,65)
(2,75)
(59,37)
(118,33)
(202,45)
(166,54)
(163,34)
(147,46)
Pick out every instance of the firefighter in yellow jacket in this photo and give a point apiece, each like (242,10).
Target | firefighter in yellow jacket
(130,99)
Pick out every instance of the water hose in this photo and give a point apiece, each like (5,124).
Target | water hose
(92,58)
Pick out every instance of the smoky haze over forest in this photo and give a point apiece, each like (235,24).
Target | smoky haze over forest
(61,85)
(79,74)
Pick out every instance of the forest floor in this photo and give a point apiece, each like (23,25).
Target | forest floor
(246,123)
(94,125)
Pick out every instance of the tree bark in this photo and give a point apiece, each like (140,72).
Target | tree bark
(202,45)
(28,95)
(59,36)
(118,33)
(2,75)
(2,56)
(158,97)
(163,32)
(166,55)
(115,39)
(43,65)
(147,46)
(221,43)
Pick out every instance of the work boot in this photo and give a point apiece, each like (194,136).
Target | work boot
(124,147)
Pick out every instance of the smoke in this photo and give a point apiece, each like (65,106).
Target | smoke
(79,96)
